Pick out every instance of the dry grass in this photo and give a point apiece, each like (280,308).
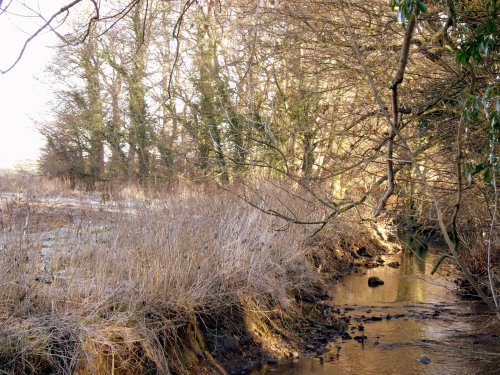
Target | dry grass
(120,293)
(474,247)
(122,286)
(32,184)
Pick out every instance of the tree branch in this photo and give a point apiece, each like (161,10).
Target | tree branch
(396,116)
(38,31)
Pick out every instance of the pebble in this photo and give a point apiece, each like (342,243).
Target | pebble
(374,281)
(424,360)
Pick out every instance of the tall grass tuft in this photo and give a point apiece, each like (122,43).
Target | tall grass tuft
(118,291)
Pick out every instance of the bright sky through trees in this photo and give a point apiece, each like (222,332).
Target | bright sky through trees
(24,91)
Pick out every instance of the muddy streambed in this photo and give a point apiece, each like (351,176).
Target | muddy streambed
(413,318)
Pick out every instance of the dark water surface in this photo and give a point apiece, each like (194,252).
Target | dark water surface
(420,316)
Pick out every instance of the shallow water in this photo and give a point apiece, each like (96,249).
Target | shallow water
(420,316)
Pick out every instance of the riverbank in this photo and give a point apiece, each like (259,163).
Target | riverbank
(196,282)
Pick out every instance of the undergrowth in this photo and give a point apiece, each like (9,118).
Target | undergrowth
(126,288)
(121,292)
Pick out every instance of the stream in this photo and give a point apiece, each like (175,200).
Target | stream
(414,324)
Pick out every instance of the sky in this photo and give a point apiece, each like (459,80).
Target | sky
(25,90)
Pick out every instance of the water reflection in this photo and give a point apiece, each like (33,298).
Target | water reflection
(410,282)
(415,314)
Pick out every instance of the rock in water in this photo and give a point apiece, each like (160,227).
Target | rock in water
(374,281)
(362,252)
(361,339)
(424,360)
(394,264)
(346,336)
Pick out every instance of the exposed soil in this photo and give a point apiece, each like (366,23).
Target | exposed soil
(242,343)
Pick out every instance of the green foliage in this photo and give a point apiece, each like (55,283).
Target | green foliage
(488,109)
(483,110)
(484,39)
(407,8)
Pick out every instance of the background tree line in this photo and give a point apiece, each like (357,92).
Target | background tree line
(282,89)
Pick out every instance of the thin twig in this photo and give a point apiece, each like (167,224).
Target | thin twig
(38,31)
